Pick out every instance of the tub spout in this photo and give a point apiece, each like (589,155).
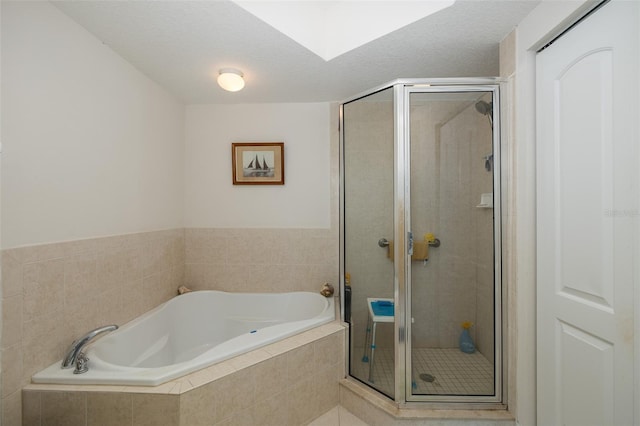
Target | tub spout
(75,349)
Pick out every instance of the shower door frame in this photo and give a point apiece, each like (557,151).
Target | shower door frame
(402,89)
(403,145)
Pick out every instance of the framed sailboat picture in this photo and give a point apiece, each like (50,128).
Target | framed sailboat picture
(258,163)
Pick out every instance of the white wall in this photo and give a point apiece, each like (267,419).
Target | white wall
(211,199)
(91,146)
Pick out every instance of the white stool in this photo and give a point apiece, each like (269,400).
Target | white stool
(370,336)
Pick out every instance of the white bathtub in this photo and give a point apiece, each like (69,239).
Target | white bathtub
(193,331)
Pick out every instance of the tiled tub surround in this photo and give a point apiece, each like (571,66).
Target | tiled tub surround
(54,293)
(290,382)
(260,260)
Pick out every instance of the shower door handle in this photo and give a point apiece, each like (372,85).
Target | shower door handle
(410,243)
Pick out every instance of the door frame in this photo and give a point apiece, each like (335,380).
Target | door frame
(541,26)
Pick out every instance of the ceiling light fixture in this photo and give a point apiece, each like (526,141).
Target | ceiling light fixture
(231,79)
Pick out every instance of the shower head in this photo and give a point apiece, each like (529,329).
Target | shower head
(484,108)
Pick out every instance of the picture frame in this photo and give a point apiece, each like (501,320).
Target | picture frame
(257,163)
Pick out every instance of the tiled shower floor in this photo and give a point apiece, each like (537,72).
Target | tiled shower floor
(454,372)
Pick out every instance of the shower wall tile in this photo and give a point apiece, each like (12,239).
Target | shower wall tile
(53,293)
(448,143)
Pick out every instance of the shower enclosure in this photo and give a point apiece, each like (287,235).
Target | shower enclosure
(420,240)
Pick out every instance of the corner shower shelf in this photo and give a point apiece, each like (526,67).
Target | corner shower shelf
(486,201)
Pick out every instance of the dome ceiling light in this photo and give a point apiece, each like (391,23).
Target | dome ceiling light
(231,79)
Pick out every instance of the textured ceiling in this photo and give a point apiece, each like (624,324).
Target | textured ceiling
(182,44)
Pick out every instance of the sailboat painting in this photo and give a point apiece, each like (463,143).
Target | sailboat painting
(258,163)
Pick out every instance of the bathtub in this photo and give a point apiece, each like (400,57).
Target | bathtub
(193,331)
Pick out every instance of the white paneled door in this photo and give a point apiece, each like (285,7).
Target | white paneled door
(587,219)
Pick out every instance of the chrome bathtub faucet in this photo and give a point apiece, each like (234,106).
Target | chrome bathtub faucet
(75,356)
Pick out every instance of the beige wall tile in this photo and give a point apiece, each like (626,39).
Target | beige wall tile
(12,272)
(56,292)
(109,268)
(287,259)
(508,54)
(300,364)
(205,246)
(12,410)
(271,376)
(249,359)
(11,370)
(64,409)
(157,289)
(44,342)
(80,275)
(326,387)
(246,416)
(11,321)
(31,408)
(157,255)
(272,411)
(43,252)
(206,276)
(154,410)
(81,315)
(225,422)
(132,299)
(43,288)
(109,308)
(109,409)
(303,404)
(328,351)
(235,392)
(131,264)
(198,407)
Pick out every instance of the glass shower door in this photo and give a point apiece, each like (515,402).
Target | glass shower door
(368,149)
(452,291)
(421,242)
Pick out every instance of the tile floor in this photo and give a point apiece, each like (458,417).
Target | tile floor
(454,372)
(338,416)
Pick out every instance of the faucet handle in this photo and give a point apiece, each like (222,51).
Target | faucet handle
(82,364)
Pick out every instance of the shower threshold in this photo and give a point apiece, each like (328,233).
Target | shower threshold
(453,372)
